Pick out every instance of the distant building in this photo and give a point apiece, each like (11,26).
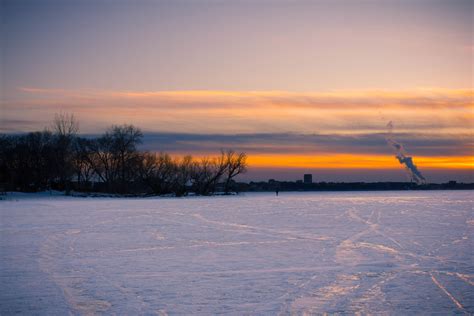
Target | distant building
(308,178)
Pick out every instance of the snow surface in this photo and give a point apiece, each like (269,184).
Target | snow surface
(367,252)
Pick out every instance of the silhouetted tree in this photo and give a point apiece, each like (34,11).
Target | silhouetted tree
(115,158)
(83,163)
(65,124)
(158,172)
(101,159)
(125,139)
(182,176)
(236,164)
(30,161)
(7,148)
(112,163)
(65,128)
(207,172)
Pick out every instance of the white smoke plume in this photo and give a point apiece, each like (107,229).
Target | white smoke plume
(402,157)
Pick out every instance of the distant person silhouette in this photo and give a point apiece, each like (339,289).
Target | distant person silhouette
(276,192)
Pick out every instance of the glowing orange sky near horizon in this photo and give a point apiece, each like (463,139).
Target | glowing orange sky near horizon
(350,161)
(345,161)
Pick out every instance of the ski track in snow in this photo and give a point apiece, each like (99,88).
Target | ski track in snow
(299,253)
(451,297)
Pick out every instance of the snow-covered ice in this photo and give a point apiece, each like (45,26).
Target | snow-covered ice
(368,252)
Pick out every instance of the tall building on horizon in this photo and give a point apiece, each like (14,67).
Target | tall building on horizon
(308,178)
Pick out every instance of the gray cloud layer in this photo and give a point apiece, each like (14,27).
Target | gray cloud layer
(284,143)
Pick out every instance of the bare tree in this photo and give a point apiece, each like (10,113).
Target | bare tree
(100,157)
(65,124)
(83,164)
(183,172)
(115,157)
(207,172)
(158,172)
(32,161)
(125,139)
(65,128)
(236,164)
(111,162)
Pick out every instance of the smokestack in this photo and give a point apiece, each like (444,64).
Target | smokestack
(400,154)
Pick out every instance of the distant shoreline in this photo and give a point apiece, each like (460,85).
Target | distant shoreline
(267,187)
(289,186)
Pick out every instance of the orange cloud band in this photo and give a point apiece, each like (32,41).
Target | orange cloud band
(229,112)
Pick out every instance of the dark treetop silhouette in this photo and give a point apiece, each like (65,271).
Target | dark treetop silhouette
(62,160)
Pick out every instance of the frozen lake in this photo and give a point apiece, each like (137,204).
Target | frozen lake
(383,253)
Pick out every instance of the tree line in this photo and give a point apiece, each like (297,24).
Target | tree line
(58,158)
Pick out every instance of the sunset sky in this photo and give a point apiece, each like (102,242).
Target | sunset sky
(301,86)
